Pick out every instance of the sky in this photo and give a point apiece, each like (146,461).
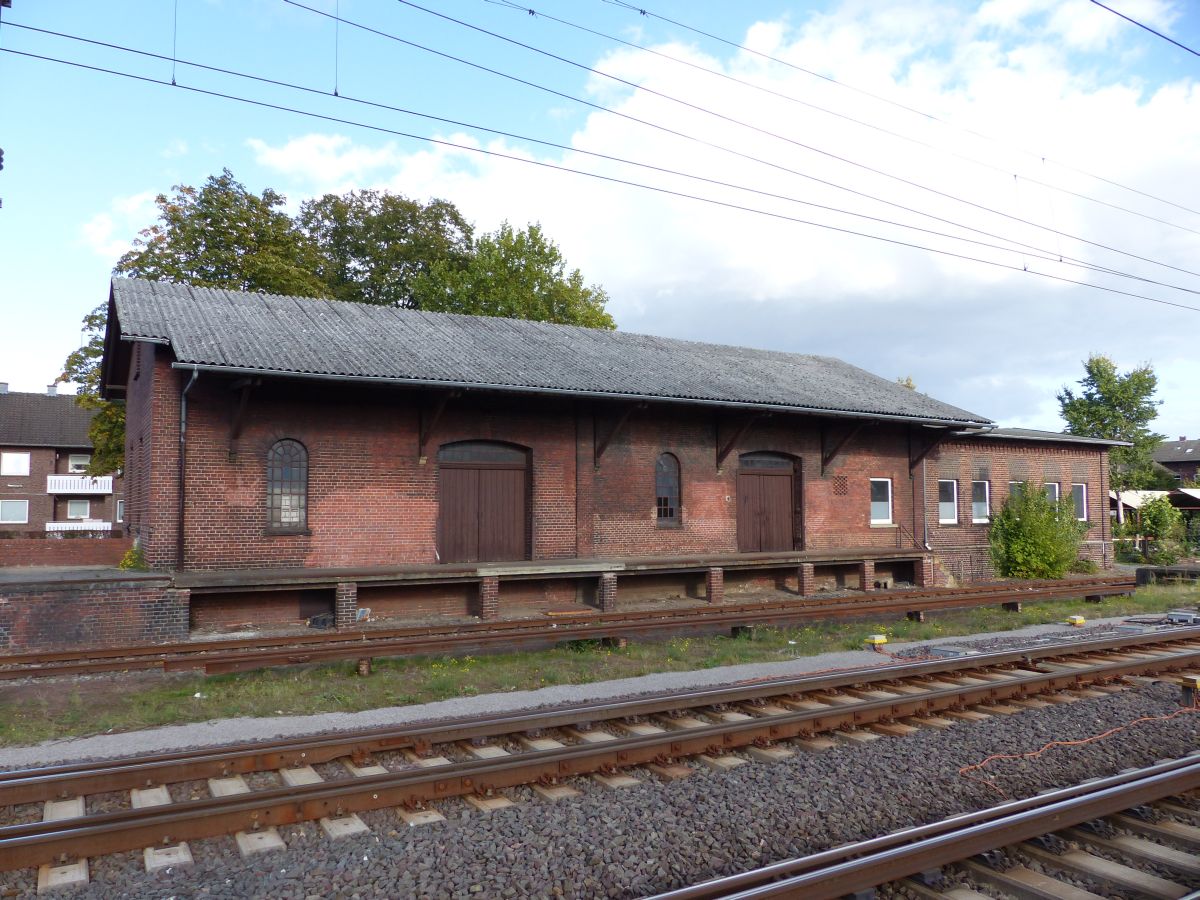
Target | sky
(940,190)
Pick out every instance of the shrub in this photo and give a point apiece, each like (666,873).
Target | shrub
(134,559)
(1035,537)
(1084,567)
(1162,525)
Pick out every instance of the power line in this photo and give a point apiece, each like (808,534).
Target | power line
(262,104)
(511,4)
(642,11)
(1045,255)
(834,156)
(1148,28)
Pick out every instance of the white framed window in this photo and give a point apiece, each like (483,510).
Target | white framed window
(77,463)
(120,510)
(14,512)
(1052,491)
(14,463)
(881,501)
(1079,498)
(981,501)
(79,509)
(947,502)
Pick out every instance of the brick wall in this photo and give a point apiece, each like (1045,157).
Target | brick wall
(65,617)
(64,550)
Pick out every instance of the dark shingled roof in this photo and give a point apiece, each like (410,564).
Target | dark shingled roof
(1030,434)
(39,420)
(1177,451)
(299,336)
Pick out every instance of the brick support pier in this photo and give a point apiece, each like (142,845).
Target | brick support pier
(923,571)
(345,604)
(489,597)
(806,579)
(607,592)
(866,574)
(714,585)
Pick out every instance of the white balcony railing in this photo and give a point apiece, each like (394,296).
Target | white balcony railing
(78,484)
(80,525)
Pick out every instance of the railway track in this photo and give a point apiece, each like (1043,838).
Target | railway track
(1144,817)
(412,767)
(222,656)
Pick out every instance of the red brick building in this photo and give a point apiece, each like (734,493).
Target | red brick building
(46,495)
(269,432)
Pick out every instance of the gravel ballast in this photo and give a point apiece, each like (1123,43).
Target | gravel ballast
(661,835)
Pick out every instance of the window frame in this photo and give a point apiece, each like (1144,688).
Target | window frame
(119,512)
(71,468)
(87,509)
(676,519)
(7,471)
(1081,484)
(987,502)
(4,521)
(275,523)
(1057,490)
(890,520)
(954,482)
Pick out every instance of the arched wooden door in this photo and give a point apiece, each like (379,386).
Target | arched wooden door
(766,502)
(483,502)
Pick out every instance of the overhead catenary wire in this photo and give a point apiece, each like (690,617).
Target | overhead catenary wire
(643,11)
(722,148)
(262,104)
(1042,253)
(725,76)
(766,132)
(1134,21)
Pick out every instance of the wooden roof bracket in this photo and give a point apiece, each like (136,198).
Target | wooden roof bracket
(427,424)
(739,432)
(598,447)
(830,454)
(933,445)
(237,418)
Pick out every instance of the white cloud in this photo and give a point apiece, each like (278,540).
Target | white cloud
(175,149)
(110,233)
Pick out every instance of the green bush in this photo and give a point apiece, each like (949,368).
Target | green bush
(1035,537)
(134,560)
(1084,567)
(1162,525)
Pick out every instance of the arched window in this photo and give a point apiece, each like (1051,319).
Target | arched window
(287,486)
(666,489)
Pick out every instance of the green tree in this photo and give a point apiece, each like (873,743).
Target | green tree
(515,274)
(373,245)
(1033,536)
(1161,524)
(82,367)
(1118,407)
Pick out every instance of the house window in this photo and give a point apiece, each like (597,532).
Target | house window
(77,463)
(666,489)
(981,501)
(79,509)
(120,510)
(287,486)
(1079,498)
(881,501)
(947,502)
(14,512)
(1014,488)
(14,464)
(1052,491)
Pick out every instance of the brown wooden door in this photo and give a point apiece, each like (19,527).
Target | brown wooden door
(765,511)
(501,514)
(482,512)
(458,515)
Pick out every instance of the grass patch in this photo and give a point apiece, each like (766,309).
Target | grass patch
(37,712)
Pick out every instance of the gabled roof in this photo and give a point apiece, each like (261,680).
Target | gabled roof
(242,332)
(40,420)
(1177,451)
(1061,437)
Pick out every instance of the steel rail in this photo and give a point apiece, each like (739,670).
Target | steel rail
(231,655)
(866,864)
(39,842)
(30,785)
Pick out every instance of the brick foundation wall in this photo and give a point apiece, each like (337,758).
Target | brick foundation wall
(64,551)
(258,608)
(48,617)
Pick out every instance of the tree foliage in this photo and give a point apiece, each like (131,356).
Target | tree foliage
(1161,524)
(1035,537)
(82,367)
(1118,407)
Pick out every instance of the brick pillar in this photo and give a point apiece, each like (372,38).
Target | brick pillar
(806,579)
(172,620)
(923,571)
(607,593)
(866,574)
(345,604)
(714,585)
(489,597)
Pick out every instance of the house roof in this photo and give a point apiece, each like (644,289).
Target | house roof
(40,420)
(1177,451)
(1030,434)
(235,331)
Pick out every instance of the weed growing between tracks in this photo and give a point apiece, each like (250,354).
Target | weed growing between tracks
(39,711)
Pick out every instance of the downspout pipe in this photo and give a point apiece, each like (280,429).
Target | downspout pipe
(179,547)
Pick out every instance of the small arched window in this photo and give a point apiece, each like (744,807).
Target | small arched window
(666,489)
(287,486)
